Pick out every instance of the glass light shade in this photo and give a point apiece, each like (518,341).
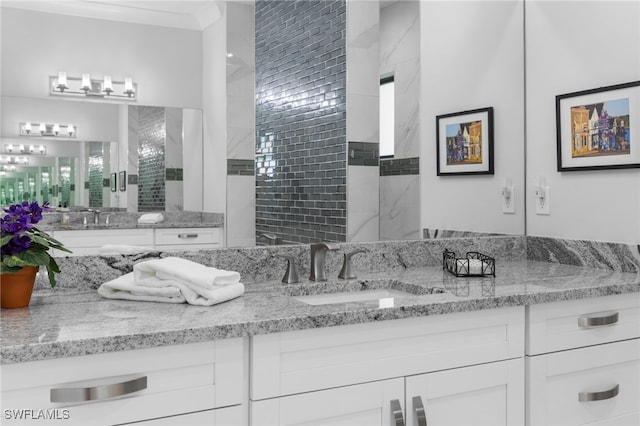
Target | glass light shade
(21,148)
(128,85)
(70,129)
(42,128)
(41,149)
(56,128)
(62,81)
(107,85)
(86,82)
(32,148)
(27,127)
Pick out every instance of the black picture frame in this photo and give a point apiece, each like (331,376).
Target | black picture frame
(122,178)
(113,182)
(464,143)
(597,129)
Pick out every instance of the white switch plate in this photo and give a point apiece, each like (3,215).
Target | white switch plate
(543,202)
(508,203)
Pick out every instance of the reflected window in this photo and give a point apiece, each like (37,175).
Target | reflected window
(387,116)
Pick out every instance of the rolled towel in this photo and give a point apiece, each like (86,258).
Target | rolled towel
(185,271)
(151,218)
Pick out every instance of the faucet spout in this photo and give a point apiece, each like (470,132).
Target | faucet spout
(318,260)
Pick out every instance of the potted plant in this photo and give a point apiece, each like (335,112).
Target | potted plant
(24,250)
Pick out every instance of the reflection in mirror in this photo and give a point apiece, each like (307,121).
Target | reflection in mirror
(62,180)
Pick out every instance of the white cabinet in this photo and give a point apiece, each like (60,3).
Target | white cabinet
(367,404)
(87,242)
(487,394)
(129,386)
(229,416)
(328,367)
(583,362)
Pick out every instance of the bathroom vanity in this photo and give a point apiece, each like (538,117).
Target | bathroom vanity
(539,344)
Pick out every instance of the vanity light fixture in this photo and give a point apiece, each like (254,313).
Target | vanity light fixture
(23,149)
(84,86)
(11,160)
(49,130)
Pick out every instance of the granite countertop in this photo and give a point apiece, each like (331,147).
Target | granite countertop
(63,324)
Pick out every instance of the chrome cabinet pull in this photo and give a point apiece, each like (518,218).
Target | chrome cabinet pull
(396,412)
(100,392)
(185,236)
(421,415)
(599,396)
(598,320)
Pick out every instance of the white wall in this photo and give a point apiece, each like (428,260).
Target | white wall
(472,57)
(164,62)
(573,46)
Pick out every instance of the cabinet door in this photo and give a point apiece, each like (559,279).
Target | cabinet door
(368,404)
(486,394)
(598,385)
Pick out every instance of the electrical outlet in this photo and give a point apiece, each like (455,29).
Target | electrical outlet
(508,199)
(542,200)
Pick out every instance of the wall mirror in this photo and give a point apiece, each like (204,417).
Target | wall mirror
(440,204)
(148,148)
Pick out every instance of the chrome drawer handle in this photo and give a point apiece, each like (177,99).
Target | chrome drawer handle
(597,321)
(97,393)
(396,412)
(599,396)
(185,236)
(421,415)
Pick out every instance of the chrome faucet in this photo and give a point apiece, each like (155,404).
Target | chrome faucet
(318,258)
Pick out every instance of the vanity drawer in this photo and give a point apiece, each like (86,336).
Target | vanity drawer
(187,236)
(87,242)
(322,358)
(572,324)
(151,383)
(594,385)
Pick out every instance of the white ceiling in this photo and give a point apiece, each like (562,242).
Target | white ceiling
(185,14)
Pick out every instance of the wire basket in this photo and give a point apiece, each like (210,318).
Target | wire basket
(475,264)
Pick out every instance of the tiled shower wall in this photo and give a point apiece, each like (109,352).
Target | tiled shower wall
(151,158)
(301,119)
(96,171)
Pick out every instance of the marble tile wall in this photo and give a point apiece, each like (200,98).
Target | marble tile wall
(363,128)
(301,148)
(399,177)
(400,207)
(240,228)
(173,149)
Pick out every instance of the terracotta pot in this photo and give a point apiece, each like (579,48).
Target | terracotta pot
(16,288)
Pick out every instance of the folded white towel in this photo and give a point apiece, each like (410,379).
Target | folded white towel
(122,249)
(151,218)
(175,280)
(183,270)
(126,288)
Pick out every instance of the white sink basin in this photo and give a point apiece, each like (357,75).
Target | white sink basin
(351,296)
(338,292)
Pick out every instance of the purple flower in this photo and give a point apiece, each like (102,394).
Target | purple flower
(18,220)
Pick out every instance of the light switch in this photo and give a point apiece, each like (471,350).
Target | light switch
(508,197)
(542,197)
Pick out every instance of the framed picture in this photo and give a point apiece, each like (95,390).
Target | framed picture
(465,142)
(113,182)
(598,128)
(122,178)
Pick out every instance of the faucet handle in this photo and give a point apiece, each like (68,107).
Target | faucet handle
(291,275)
(347,272)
